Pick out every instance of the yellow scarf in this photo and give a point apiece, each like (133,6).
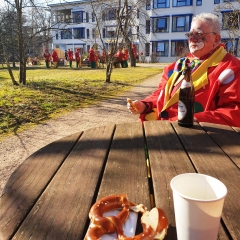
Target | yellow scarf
(199,77)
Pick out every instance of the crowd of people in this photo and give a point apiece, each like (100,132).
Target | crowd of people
(121,57)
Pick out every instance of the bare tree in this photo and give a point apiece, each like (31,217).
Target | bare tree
(118,20)
(230,23)
(26,31)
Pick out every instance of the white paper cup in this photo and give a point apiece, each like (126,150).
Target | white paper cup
(198,202)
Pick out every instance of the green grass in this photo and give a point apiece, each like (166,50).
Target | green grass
(52,92)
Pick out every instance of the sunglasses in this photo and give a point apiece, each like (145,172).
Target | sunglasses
(197,35)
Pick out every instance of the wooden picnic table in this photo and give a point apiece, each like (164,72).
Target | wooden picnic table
(50,193)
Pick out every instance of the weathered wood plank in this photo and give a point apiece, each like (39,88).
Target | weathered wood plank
(167,159)
(126,171)
(226,138)
(62,210)
(28,181)
(209,159)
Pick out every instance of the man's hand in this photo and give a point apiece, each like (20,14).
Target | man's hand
(135,107)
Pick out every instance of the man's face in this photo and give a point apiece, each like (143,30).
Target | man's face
(202,39)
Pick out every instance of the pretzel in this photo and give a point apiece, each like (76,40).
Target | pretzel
(154,223)
(132,104)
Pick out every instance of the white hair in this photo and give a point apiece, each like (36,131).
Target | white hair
(211,19)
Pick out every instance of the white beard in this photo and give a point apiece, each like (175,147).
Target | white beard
(195,47)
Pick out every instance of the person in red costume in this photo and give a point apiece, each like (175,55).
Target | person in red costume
(215,74)
(134,51)
(125,57)
(119,58)
(78,58)
(47,57)
(70,57)
(55,58)
(92,58)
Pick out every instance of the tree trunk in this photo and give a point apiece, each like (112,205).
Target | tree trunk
(11,74)
(8,66)
(22,59)
(109,71)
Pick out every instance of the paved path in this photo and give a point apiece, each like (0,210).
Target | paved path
(17,148)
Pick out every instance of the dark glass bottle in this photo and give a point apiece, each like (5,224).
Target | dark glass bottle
(186,99)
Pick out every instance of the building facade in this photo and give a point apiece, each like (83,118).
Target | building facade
(158,27)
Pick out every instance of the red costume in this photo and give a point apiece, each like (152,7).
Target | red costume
(92,58)
(125,54)
(134,52)
(47,57)
(78,58)
(55,58)
(92,55)
(70,55)
(217,96)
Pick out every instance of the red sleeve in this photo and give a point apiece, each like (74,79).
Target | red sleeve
(151,100)
(227,110)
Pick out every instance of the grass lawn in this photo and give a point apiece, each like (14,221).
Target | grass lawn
(52,92)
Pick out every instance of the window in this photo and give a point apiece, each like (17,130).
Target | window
(147,26)
(161,3)
(93,17)
(95,33)
(66,34)
(199,3)
(160,24)
(88,48)
(77,16)
(88,34)
(180,3)
(109,14)
(232,45)
(147,49)
(110,31)
(230,19)
(160,48)
(79,33)
(87,17)
(104,32)
(179,48)
(216,1)
(181,23)
(148,4)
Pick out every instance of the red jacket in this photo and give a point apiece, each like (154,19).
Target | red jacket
(77,56)
(47,56)
(92,57)
(55,56)
(134,51)
(217,100)
(125,54)
(70,55)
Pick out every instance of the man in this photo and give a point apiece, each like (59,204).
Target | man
(134,52)
(55,58)
(92,57)
(215,74)
(125,57)
(66,55)
(70,57)
(78,58)
(47,57)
